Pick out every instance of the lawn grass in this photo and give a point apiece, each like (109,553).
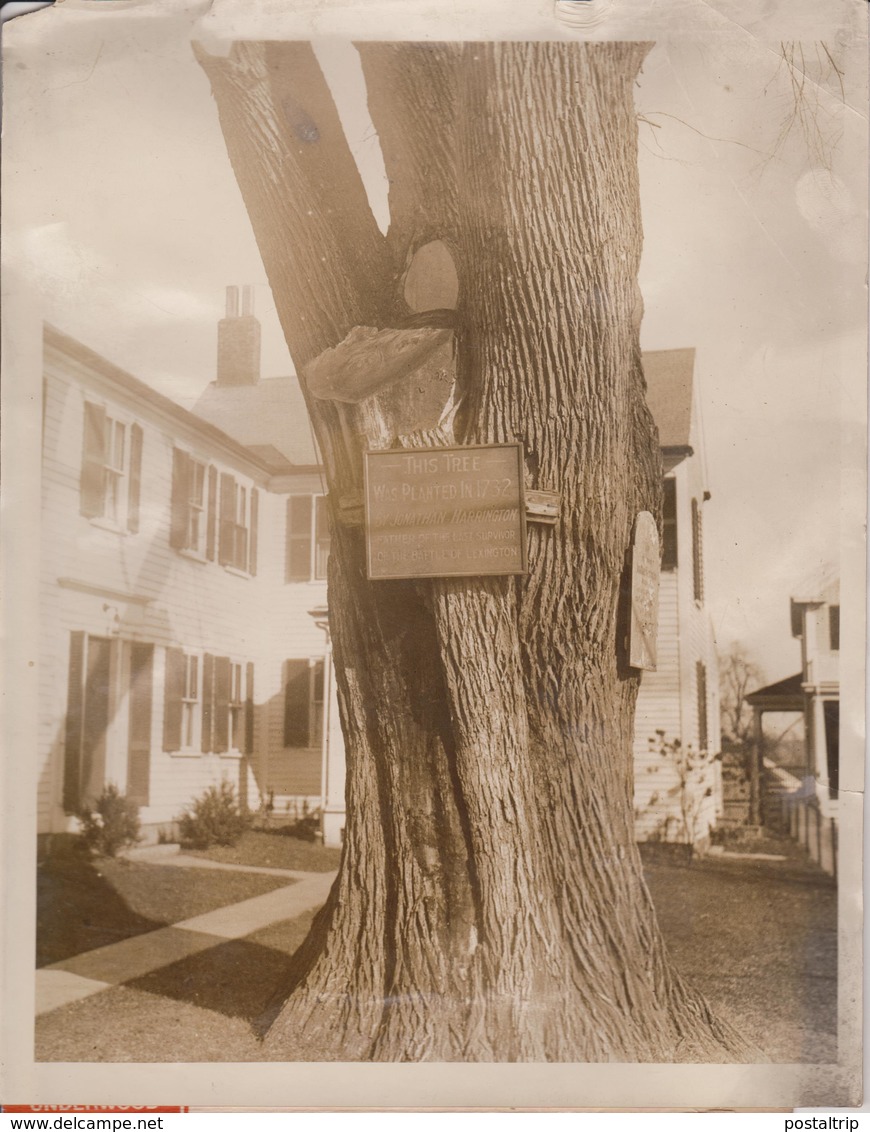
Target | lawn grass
(757,938)
(200,1009)
(84,903)
(273,849)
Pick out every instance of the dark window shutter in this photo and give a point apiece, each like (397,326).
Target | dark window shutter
(831,713)
(697,552)
(249,708)
(252,537)
(180,499)
(222,679)
(139,749)
(701,681)
(207,702)
(135,478)
(74,721)
(318,685)
(834,627)
(669,525)
(298,564)
(297,690)
(93,461)
(227,532)
(321,536)
(211,521)
(92,772)
(173,694)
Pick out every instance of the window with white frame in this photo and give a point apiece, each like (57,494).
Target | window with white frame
(181,700)
(190,702)
(237,539)
(308,538)
(227,705)
(196,504)
(111,468)
(212,516)
(236,707)
(193,505)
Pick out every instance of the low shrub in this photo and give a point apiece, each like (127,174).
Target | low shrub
(307,828)
(111,825)
(214,818)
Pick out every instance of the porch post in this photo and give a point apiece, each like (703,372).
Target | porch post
(756,763)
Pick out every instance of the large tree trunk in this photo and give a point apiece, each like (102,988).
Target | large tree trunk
(490,903)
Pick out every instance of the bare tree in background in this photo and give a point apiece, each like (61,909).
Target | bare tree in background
(738,676)
(490,903)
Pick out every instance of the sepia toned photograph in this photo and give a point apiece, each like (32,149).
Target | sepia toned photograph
(434,453)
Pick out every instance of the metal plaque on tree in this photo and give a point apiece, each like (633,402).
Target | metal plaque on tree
(445,512)
(645,566)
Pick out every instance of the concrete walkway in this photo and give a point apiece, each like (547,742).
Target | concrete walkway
(93,971)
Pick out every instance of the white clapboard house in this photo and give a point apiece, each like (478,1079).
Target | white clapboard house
(678,781)
(183,600)
(183,630)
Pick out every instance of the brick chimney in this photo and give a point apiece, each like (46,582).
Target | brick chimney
(238,361)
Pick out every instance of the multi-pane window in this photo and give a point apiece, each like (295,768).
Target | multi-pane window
(237,540)
(181,700)
(193,505)
(236,707)
(111,468)
(213,516)
(208,703)
(303,703)
(196,503)
(308,539)
(189,701)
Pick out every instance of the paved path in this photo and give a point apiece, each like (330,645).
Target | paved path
(93,971)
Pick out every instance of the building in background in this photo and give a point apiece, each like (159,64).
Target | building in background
(167,547)
(806,798)
(301,760)
(678,782)
(185,610)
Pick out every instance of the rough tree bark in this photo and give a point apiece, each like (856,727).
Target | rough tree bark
(490,903)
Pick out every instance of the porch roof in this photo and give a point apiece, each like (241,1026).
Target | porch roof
(784,695)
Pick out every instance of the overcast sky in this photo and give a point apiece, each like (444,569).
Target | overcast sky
(126,219)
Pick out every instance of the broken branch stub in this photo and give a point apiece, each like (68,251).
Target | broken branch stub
(368,359)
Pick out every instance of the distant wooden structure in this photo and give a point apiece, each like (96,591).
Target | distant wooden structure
(809,803)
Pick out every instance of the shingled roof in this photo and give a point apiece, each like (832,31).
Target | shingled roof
(669,375)
(270,414)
